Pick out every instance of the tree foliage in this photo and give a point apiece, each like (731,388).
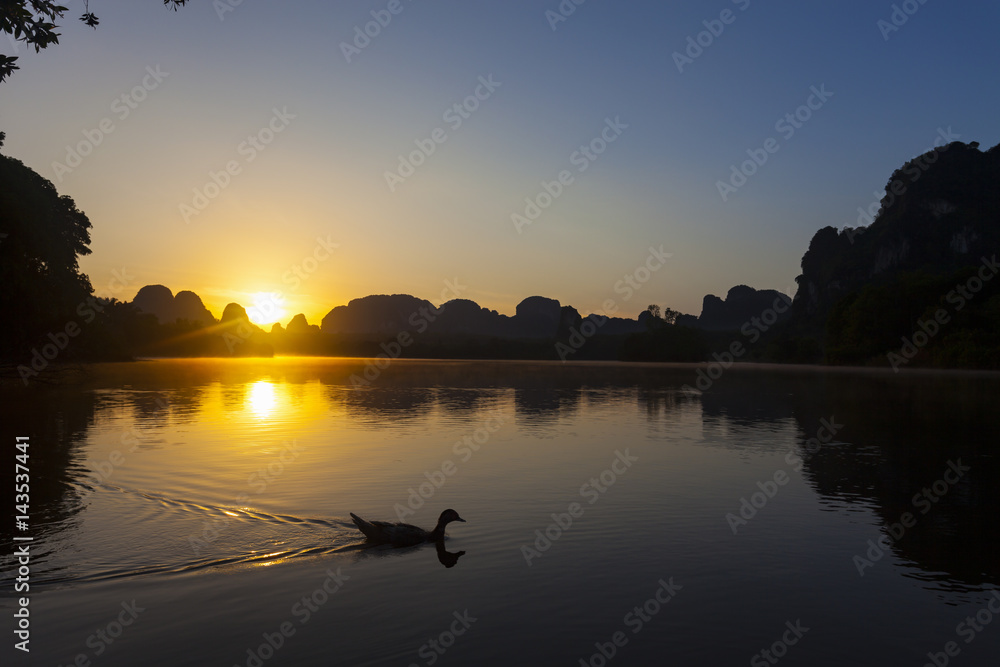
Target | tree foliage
(34,22)
(41,236)
(923,319)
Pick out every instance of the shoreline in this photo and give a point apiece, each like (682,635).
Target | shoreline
(9,375)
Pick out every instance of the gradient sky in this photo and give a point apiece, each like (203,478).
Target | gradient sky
(323,175)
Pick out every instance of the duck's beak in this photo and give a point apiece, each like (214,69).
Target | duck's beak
(460,519)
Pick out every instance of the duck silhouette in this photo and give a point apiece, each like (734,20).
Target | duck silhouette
(404,534)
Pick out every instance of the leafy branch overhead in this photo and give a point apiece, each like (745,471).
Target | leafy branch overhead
(34,22)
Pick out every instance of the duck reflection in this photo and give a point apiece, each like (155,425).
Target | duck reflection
(447,558)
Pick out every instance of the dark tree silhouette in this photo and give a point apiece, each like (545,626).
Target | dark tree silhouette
(670,315)
(34,23)
(41,237)
(653,310)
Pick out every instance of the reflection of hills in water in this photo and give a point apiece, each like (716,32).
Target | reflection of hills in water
(899,431)
(899,434)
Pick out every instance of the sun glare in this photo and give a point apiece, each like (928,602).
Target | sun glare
(262,398)
(268,307)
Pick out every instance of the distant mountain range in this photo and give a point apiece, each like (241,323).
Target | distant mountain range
(740,306)
(161,302)
(914,284)
(384,315)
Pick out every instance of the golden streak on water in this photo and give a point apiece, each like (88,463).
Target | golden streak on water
(262,398)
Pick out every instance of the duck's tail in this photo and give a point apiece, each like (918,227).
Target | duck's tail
(365,527)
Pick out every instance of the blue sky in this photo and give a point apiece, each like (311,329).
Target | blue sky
(321,179)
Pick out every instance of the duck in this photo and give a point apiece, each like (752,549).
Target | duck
(404,534)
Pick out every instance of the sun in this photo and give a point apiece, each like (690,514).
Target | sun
(267,308)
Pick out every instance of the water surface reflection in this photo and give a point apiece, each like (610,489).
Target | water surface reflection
(168,468)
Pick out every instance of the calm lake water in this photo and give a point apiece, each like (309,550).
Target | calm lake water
(195,512)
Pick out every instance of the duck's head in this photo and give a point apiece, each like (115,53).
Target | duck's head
(448,516)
